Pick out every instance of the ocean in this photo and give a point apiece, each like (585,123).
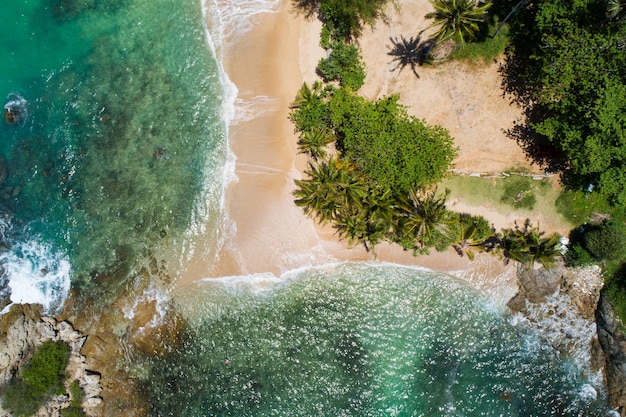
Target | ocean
(115,158)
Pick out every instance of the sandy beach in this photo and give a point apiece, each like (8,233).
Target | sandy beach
(268,65)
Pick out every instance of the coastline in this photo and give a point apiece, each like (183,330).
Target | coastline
(269,233)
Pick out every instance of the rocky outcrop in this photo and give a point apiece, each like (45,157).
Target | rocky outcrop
(22,329)
(581,285)
(613,341)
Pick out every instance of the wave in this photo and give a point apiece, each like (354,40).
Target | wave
(34,273)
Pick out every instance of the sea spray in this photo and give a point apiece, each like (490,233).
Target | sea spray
(35,274)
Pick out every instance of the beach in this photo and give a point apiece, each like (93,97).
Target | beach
(268,233)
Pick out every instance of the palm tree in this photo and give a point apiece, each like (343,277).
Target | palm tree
(615,8)
(333,186)
(306,95)
(474,230)
(527,245)
(314,142)
(457,19)
(424,215)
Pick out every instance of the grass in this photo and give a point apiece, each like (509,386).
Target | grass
(486,50)
(579,207)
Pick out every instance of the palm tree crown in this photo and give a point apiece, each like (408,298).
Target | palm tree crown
(457,19)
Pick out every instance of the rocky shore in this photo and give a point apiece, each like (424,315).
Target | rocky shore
(22,329)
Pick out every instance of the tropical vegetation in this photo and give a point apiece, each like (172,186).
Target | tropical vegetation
(458,20)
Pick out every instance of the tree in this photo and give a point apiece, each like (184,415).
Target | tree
(309,110)
(457,19)
(424,217)
(606,241)
(567,65)
(387,145)
(344,64)
(615,8)
(527,245)
(346,18)
(314,143)
(331,187)
(473,231)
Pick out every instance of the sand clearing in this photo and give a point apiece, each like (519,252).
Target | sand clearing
(268,65)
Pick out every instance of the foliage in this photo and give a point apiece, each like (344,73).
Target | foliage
(473,232)
(615,290)
(394,149)
(76,395)
(485,50)
(567,64)
(578,255)
(518,193)
(43,376)
(344,64)
(424,220)
(457,19)
(527,245)
(314,143)
(309,110)
(606,241)
(346,18)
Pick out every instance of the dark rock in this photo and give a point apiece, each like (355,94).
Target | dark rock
(613,342)
(4,172)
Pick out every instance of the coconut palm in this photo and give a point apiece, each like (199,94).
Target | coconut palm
(424,215)
(615,8)
(457,19)
(527,245)
(306,95)
(474,230)
(331,186)
(314,142)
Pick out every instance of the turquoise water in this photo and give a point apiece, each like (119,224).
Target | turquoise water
(359,340)
(116,159)
(121,140)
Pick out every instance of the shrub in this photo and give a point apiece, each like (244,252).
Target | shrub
(344,65)
(518,193)
(42,376)
(74,410)
(606,241)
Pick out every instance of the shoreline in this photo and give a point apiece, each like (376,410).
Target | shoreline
(271,234)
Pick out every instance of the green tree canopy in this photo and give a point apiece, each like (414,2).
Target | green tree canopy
(569,60)
(398,151)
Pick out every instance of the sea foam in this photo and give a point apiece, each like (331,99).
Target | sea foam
(35,274)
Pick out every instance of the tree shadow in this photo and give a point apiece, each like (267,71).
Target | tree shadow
(308,8)
(409,52)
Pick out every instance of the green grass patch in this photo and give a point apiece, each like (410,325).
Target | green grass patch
(495,195)
(579,207)
(519,192)
(43,376)
(486,50)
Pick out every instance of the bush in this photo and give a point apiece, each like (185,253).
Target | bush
(344,65)
(74,410)
(577,255)
(42,377)
(606,241)
(518,193)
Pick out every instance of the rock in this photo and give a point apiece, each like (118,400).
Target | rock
(4,171)
(22,329)
(613,342)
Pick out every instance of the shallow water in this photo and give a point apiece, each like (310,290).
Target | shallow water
(120,150)
(361,340)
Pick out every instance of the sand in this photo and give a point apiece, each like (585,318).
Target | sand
(272,235)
